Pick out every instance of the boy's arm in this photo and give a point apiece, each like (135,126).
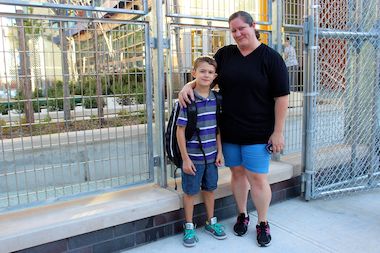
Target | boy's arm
(219,156)
(187,166)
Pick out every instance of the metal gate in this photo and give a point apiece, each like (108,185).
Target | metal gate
(342,97)
(76,107)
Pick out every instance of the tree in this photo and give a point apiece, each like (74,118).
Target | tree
(26,27)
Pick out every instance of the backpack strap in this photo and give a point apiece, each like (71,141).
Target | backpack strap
(191,128)
(191,125)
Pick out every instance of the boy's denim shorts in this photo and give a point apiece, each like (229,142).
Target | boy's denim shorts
(254,158)
(204,178)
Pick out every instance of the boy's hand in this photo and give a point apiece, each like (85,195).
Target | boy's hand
(219,159)
(188,167)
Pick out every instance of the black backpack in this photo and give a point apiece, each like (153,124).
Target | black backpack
(171,144)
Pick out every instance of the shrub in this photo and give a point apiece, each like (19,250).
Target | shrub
(3,122)
(47,119)
(91,102)
(123,113)
(4,108)
(56,104)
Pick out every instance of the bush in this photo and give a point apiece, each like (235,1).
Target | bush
(4,108)
(56,104)
(19,107)
(47,119)
(3,122)
(91,102)
(123,113)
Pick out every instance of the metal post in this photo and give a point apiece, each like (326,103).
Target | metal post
(279,27)
(160,96)
(310,100)
(149,103)
(375,142)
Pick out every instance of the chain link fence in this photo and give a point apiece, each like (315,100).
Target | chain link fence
(346,145)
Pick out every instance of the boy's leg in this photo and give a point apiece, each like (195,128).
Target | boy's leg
(188,206)
(209,184)
(190,186)
(208,198)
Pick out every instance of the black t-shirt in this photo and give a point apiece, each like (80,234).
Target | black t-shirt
(249,85)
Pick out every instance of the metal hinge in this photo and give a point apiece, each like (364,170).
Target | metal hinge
(165,43)
(156,161)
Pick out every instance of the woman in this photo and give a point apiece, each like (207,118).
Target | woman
(253,81)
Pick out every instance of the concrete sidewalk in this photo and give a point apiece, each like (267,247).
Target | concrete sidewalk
(344,225)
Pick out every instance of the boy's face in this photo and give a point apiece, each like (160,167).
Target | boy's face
(204,74)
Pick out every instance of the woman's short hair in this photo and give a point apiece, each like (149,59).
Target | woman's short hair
(246,17)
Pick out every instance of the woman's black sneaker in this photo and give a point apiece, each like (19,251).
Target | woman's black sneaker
(263,234)
(241,226)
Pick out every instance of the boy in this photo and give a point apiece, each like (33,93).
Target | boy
(200,160)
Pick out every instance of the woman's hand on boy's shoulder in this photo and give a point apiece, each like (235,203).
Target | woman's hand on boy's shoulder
(186,95)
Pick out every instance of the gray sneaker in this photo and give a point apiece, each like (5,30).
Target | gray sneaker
(215,229)
(189,236)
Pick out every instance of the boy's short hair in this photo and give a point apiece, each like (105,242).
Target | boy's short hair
(206,59)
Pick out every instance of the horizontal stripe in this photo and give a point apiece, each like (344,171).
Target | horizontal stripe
(206,141)
(204,145)
(207,118)
(207,131)
(181,122)
(200,159)
(203,103)
(206,113)
(201,155)
(208,127)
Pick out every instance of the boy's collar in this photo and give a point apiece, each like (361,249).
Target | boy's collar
(210,95)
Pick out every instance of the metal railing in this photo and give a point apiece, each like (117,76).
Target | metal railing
(76,105)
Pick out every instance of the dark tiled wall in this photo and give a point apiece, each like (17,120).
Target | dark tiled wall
(132,234)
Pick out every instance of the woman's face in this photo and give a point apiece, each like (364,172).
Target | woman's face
(242,32)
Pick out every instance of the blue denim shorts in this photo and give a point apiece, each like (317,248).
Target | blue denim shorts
(204,178)
(254,158)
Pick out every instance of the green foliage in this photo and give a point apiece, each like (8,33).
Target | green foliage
(123,113)
(38,93)
(3,122)
(47,119)
(91,102)
(4,108)
(56,97)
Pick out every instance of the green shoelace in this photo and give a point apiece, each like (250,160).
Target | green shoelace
(190,233)
(218,228)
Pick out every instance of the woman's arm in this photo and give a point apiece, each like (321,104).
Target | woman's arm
(280,111)
(186,95)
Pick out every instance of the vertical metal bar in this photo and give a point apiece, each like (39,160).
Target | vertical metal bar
(149,103)
(160,112)
(310,104)
(279,27)
(375,140)
(269,11)
(146,7)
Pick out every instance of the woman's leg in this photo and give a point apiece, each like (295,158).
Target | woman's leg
(240,187)
(261,193)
